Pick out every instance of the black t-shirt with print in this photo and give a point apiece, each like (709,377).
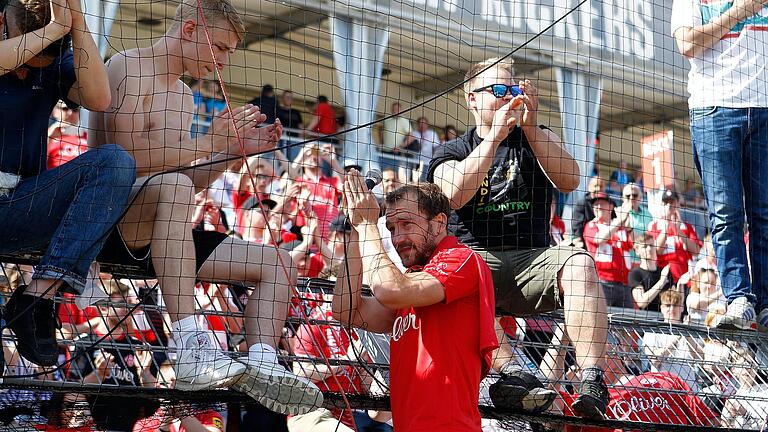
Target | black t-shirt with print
(511,208)
(639,277)
(110,411)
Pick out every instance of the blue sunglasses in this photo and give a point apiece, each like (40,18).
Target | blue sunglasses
(501,90)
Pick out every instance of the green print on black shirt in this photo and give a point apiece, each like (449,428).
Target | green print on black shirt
(511,208)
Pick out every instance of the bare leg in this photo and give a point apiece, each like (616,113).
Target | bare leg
(585,310)
(504,354)
(160,216)
(272,273)
(238,261)
(44,288)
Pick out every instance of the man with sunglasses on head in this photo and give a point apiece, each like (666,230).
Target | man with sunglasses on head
(499,178)
(67,211)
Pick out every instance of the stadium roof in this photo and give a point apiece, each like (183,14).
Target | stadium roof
(289,45)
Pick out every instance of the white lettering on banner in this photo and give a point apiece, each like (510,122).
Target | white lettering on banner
(623,408)
(621,26)
(657,145)
(402,324)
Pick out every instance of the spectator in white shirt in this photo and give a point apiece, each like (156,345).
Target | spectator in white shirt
(394,131)
(427,138)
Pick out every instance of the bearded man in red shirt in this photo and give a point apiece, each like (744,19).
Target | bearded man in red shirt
(440,312)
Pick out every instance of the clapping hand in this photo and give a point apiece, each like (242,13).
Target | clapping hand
(359,201)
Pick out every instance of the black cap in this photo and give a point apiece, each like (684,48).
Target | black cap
(669,195)
(252,203)
(340,224)
(267,88)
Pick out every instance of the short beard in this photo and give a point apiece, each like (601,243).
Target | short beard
(421,257)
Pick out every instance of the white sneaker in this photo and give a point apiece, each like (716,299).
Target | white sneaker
(740,314)
(277,389)
(201,365)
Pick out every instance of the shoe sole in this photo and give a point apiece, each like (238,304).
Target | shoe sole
(585,409)
(225,382)
(536,400)
(730,324)
(539,400)
(267,391)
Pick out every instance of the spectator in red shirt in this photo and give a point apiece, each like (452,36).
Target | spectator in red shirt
(309,261)
(607,240)
(66,139)
(324,122)
(676,240)
(263,175)
(652,397)
(167,419)
(649,397)
(320,191)
(440,312)
(332,342)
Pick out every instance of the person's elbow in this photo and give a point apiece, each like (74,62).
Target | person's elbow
(685,43)
(390,296)
(455,202)
(99,100)
(341,316)
(568,183)
(688,50)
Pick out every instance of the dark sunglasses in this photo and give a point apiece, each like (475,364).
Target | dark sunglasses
(501,90)
(631,195)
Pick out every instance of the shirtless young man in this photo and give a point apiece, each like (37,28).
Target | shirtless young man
(151,116)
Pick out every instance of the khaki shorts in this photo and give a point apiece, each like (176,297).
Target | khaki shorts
(525,281)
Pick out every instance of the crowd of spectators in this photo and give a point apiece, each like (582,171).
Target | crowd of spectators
(644,262)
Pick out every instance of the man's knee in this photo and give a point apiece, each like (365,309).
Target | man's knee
(289,267)
(579,268)
(174,186)
(119,167)
(115,157)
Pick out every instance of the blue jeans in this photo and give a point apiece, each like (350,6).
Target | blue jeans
(731,154)
(365,423)
(68,212)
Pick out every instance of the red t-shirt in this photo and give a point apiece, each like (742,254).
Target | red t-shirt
(238,201)
(208,418)
(68,311)
(557,229)
(325,341)
(327,115)
(674,252)
(65,148)
(653,397)
(439,353)
(324,198)
(609,256)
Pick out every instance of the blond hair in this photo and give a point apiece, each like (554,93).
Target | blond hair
(214,11)
(670,297)
(506,64)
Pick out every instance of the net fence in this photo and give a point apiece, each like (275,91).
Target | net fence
(204,154)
